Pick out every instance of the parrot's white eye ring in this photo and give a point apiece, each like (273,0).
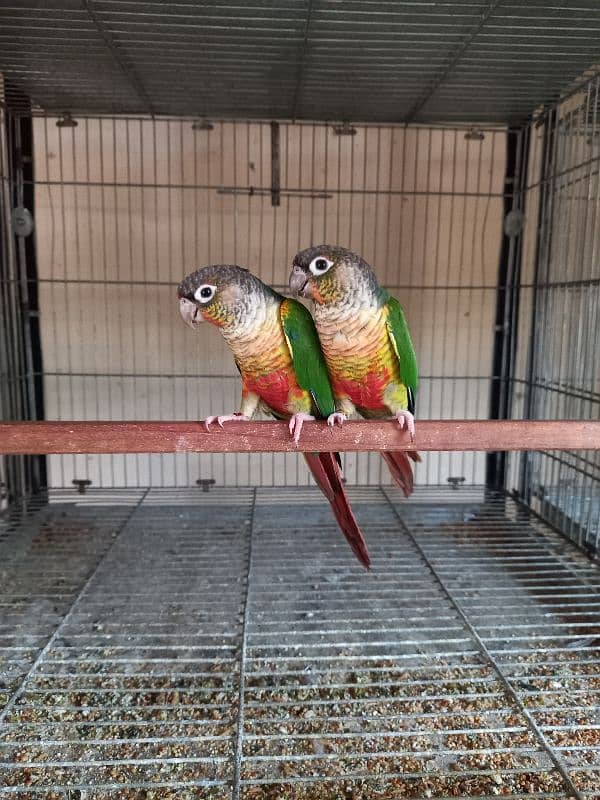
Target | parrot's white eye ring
(205,293)
(320,265)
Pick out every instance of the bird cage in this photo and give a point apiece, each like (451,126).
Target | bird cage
(184,621)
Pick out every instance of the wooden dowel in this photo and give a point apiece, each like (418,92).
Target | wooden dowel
(256,437)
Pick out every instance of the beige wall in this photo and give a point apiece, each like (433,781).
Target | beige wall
(125,208)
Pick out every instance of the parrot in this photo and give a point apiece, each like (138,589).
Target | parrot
(276,350)
(366,343)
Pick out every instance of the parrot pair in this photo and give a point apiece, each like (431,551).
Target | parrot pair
(356,356)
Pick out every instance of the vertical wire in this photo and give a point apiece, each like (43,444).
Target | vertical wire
(234,158)
(388,223)
(81,360)
(514,278)
(184,268)
(533,462)
(271,208)
(338,195)
(103,461)
(19,478)
(262,129)
(144,261)
(436,267)
(355,457)
(424,265)
(54,461)
(365,458)
(300,131)
(573,406)
(297,467)
(364,197)
(557,199)
(533,199)
(205,197)
(560,301)
(312,186)
(66,320)
(120,348)
(577,353)
(214,460)
(389,197)
(593,324)
(173,394)
(399,270)
(134,348)
(455,458)
(474,457)
(251,459)
(375,462)
(326,139)
(285,458)
(262,457)
(157,290)
(485,292)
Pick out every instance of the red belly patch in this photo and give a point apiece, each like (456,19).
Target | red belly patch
(366,392)
(274,389)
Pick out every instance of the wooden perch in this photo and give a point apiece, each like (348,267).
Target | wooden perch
(260,437)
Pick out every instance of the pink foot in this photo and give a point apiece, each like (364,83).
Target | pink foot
(296,423)
(406,422)
(337,418)
(224,418)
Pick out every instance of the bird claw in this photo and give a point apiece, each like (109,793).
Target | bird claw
(406,422)
(221,418)
(296,423)
(337,418)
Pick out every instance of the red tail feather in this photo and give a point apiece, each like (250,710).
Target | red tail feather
(399,466)
(328,476)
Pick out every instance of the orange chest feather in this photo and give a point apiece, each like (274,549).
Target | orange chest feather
(361,360)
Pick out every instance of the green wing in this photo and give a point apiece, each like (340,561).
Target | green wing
(307,357)
(402,343)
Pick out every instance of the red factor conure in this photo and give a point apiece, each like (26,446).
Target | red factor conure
(365,340)
(276,349)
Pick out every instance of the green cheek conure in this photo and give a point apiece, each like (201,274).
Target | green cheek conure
(276,349)
(365,340)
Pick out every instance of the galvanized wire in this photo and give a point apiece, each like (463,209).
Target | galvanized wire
(559,313)
(465,663)
(126,207)
(477,61)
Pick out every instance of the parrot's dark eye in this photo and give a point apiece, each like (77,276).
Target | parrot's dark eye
(205,293)
(320,265)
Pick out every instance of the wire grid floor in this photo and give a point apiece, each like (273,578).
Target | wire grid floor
(133,624)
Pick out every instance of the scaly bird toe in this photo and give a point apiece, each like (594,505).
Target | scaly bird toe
(337,418)
(406,422)
(296,423)
(221,418)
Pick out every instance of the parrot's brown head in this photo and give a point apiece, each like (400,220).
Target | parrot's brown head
(224,294)
(330,275)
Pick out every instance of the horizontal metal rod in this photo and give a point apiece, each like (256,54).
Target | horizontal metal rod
(263,437)
(315,192)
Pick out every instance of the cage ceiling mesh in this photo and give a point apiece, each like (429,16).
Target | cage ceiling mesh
(373,61)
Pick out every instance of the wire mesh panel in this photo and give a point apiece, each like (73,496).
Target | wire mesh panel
(126,207)
(219,648)
(20,395)
(557,368)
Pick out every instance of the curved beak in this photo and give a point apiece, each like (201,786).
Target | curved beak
(190,313)
(299,282)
